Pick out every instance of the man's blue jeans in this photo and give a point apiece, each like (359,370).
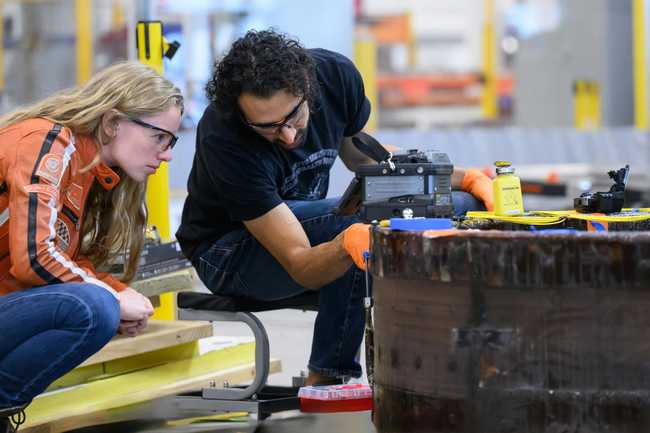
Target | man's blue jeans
(47,331)
(238,265)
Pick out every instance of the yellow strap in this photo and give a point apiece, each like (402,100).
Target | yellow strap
(625,216)
(537,218)
(552,217)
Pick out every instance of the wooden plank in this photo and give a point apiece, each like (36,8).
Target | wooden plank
(146,350)
(159,334)
(99,402)
(118,366)
(77,376)
(178,281)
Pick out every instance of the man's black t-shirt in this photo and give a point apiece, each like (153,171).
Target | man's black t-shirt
(238,175)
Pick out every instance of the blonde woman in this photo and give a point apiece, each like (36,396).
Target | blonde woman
(72,180)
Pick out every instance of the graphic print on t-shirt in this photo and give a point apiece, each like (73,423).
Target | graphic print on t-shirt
(303,185)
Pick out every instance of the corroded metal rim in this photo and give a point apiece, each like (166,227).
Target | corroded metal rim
(515,258)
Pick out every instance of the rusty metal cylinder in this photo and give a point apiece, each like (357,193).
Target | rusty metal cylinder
(511,332)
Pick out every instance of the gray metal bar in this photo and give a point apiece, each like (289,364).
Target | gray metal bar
(187,404)
(178,407)
(262,352)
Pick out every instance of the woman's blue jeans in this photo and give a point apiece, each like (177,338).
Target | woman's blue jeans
(47,331)
(238,265)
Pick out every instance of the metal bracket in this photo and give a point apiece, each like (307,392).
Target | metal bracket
(262,352)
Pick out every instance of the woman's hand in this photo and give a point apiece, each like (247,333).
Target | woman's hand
(132,328)
(134,306)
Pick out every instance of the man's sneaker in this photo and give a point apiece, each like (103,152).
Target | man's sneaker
(11,418)
(336,380)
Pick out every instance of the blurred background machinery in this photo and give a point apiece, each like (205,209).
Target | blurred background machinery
(537,82)
(592,42)
(557,87)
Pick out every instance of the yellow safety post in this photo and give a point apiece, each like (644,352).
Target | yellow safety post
(117,14)
(152,46)
(365,58)
(410,41)
(84,23)
(640,65)
(586,100)
(594,100)
(489,97)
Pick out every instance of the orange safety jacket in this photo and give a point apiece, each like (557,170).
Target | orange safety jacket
(43,192)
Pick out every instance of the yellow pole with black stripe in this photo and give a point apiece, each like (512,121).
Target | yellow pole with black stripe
(151,49)
(489,97)
(151,52)
(84,23)
(640,65)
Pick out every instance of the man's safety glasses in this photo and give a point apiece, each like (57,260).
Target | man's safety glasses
(275,127)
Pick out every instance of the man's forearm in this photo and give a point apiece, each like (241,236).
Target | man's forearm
(280,232)
(317,266)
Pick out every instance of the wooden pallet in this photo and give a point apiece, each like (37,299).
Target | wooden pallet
(117,398)
(162,341)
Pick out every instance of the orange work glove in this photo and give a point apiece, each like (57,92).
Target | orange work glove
(356,241)
(480,186)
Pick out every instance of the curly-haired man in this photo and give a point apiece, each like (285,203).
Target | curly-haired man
(256,222)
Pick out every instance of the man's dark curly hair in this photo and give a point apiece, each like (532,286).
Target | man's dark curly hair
(261,63)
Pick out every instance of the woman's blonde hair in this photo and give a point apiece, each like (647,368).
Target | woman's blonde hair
(115,220)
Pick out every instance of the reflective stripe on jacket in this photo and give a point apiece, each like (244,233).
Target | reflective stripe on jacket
(43,191)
